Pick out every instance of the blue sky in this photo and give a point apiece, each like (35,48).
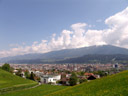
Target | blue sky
(27,21)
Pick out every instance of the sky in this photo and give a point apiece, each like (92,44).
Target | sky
(39,26)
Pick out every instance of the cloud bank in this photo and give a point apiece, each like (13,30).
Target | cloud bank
(116,34)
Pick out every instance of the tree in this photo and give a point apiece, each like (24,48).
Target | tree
(27,74)
(6,67)
(32,76)
(82,80)
(81,73)
(73,79)
(101,73)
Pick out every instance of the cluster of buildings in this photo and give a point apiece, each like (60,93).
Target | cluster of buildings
(54,73)
(68,67)
(60,78)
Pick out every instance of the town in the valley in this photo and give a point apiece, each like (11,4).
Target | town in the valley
(61,74)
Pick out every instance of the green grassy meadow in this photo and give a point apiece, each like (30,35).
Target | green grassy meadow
(114,85)
(38,91)
(12,85)
(10,82)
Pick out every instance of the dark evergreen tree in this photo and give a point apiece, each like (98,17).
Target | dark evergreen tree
(32,76)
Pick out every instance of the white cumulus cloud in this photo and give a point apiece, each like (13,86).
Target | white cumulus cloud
(116,34)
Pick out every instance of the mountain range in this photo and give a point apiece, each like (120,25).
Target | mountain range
(77,55)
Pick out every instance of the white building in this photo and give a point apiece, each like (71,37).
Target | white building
(50,78)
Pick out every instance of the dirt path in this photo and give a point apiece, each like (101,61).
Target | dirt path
(9,89)
(32,87)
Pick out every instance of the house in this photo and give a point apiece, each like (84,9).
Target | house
(50,79)
(92,77)
(15,71)
(23,74)
(65,78)
(65,81)
(88,74)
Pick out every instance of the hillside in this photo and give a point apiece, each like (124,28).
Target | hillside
(55,56)
(10,84)
(98,58)
(114,85)
(9,81)
(38,91)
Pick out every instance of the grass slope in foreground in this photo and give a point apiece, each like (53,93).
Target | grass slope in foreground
(8,80)
(38,91)
(114,85)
